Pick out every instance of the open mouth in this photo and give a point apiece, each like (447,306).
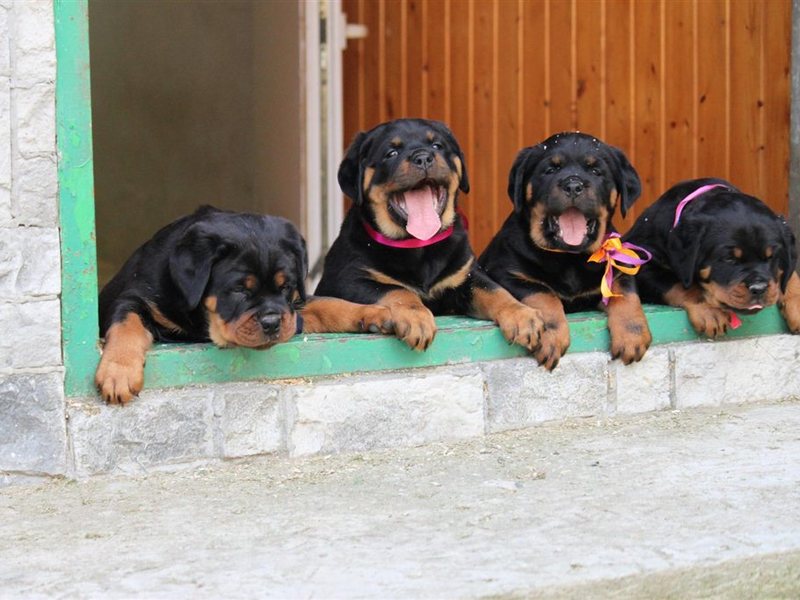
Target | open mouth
(421,208)
(572,227)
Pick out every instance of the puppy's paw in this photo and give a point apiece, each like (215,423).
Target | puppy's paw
(630,340)
(708,321)
(553,343)
(414,324)
(119,380)
(376,319)
(521,325)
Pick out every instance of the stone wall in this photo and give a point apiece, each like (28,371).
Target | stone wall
(32,425)
(356,413)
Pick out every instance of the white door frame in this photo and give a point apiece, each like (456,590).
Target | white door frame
(324,127)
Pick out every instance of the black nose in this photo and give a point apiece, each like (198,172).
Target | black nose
(270,323)
(572,185)
(756,289)
(422,158)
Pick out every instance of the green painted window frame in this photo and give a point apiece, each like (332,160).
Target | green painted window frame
(458,340)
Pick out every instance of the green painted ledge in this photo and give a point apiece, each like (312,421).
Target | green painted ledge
(459,340)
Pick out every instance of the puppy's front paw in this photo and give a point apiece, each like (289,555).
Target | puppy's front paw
(376,319)
(119,380)
(553,343)
(708,321)
(630,340)
(414,324)
(521,325)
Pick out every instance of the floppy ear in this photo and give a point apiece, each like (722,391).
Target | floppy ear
(190,264)
(351,172)
(444,130)
(789,255)
(626,180)
(296,245)
(683,249)
(526,159)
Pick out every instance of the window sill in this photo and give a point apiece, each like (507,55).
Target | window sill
(458,340)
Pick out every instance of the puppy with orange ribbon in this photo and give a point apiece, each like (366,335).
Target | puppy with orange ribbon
(558,251)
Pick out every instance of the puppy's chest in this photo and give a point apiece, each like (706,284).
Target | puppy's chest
(577,282)
(430,280)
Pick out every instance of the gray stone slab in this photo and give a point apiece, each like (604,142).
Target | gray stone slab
(35,119)
(643,386)
(31,334)
(34,191)
(30,263)
(522,394)
(160,428)
(398,409)
(32,428)
(723,372)
(251,419)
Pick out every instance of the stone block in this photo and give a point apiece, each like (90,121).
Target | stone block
(33,35)
(32,423)
(161,427)
(251,419)
(34,191)
(5,135)
(35,119)
(734,371)
(399,409)
(521,393)
(5,47)
(30,263)
(31,335)
(643,386)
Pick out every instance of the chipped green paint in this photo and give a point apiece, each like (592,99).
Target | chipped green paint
(459,340)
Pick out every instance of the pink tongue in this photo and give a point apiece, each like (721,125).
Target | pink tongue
(573,226)
(423,221)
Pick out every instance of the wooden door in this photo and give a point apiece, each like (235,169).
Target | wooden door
(687,88)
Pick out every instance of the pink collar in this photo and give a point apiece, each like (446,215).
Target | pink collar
(412,242)
(699,191)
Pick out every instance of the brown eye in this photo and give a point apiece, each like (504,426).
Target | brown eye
(391,154)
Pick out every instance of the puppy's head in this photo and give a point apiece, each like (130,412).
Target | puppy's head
(739,251)
(404,176)
(567,189)
(247,272)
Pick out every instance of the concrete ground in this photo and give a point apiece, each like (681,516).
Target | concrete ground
(695,503)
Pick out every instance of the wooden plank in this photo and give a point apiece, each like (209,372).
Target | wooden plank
(352,63)
(372,67)
(713,98)
(777,62)
(588,83)
(647,98)
(459,100)
(534,102)
(746,96)
(619,123)
(394,61)
(437,41)
(79,308)
(416,76)
(561,84)
(484,126)
(680,91)
(508,134)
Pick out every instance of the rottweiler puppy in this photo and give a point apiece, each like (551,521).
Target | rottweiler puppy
(403,244)
(565,191)
(234,279)
(717,250)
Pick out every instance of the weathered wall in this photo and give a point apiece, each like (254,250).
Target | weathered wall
(32,424)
